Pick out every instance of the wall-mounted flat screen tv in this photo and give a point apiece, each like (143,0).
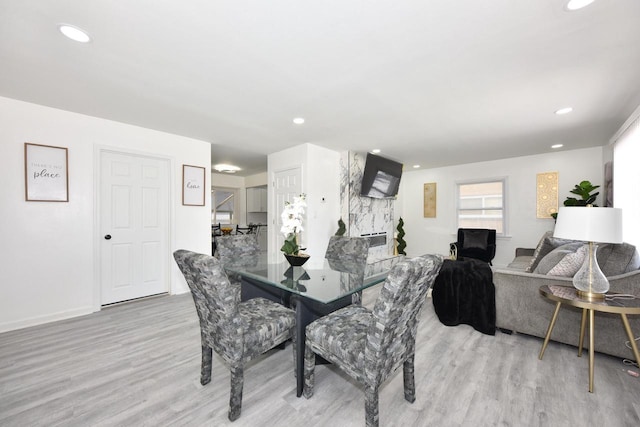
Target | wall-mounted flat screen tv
(381,177)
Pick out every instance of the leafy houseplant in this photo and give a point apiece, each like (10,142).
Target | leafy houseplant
(583,189)
(292,217)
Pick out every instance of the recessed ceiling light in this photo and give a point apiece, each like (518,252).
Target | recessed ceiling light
(416,166)
(226,168)
(565,110)
(375,151)
(578,4)
(557,146)
(74,33)
(298,120)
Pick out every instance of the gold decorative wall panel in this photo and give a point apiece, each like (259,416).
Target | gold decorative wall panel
(430,200)
(546,194)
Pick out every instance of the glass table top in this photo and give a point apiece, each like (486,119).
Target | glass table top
(328,283)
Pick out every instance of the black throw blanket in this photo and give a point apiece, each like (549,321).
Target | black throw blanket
(464,292)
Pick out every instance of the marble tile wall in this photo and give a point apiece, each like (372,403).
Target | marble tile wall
(365,215)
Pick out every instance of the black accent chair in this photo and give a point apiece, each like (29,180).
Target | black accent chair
(477,243)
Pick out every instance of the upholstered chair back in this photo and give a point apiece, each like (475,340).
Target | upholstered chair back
(371,344)
(216,301)
(478,243)
(348,254)
(348,249)
(392,332)
(238,246)
(237,331)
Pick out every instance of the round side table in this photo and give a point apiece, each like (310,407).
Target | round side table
(613,303)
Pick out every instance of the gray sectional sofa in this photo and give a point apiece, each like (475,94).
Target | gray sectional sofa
(521,308)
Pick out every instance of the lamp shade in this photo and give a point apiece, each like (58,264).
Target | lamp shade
(589,224)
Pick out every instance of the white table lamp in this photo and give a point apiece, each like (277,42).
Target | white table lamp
(591,225)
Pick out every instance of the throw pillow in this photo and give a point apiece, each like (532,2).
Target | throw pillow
(536,253)
(615,259)
(563,261)
(475,239)
(546,245)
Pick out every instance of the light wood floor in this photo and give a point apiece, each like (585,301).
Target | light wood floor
(138,364)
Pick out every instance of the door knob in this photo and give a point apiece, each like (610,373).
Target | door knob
(107,237)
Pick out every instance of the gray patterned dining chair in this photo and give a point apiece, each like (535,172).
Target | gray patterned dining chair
(237,246)
(369,345)
(244,250)
(237,331)
(348,250)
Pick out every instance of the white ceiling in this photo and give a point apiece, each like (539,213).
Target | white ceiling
(430,82)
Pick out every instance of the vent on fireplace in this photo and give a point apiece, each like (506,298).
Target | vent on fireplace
(376,239)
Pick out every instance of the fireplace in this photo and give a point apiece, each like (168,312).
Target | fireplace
(376,239)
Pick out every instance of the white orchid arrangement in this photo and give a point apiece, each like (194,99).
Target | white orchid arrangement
(292,217)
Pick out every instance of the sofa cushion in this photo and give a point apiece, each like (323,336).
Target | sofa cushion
(563,261)
(520,263)
(615,259)
(546,245)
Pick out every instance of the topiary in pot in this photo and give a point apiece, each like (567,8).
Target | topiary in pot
(401,243)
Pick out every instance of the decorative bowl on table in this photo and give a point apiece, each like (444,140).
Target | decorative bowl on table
(296,260)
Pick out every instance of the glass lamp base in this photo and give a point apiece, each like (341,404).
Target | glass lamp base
(590,282)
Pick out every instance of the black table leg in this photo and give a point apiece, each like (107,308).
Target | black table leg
(304,316)
(306,312)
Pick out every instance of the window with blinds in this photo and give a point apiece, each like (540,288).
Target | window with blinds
(222,206)
(481,204)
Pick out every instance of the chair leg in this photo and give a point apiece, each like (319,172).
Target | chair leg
(356,299)
(205,369)
(294,351)
(235,400)
(309,372)
(371,406)
(409,380)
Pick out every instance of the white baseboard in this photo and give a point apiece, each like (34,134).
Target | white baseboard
(39,320)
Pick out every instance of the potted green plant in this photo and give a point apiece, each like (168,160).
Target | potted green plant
(400,237)
(342,228)
(292,216)
(584,189)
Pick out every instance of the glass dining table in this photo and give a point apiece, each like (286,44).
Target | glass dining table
(315,290)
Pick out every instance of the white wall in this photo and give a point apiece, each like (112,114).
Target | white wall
(320,180)
(433,235)
(256,180)
(322,177)
(48,248)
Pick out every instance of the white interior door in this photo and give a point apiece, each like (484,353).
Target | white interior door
(286,185)
(134,226)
